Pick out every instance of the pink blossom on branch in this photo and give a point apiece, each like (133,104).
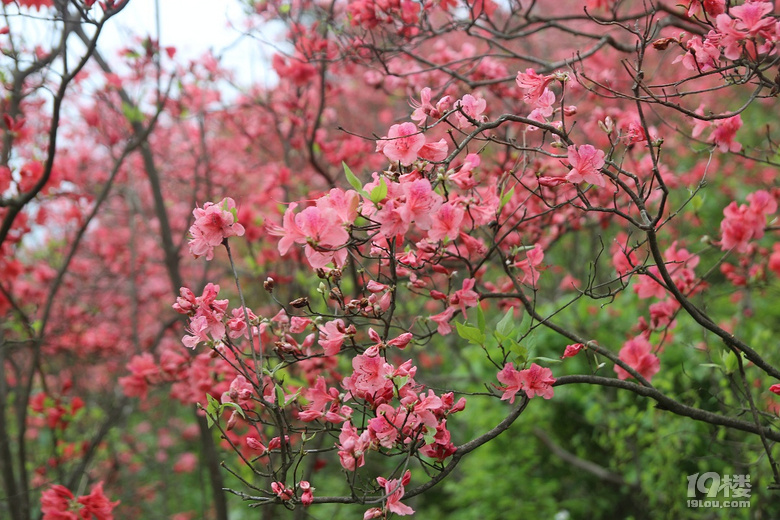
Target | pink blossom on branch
(535,380)
(638,354)
(572,350)
(742,223)
(401,143)
(58,503)
(213,224)
(394,489)
(586,162)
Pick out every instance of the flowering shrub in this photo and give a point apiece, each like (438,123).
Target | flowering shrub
(439,207)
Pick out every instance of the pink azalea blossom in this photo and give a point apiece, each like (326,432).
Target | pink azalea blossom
(213,224)
(742,223)
(442,321)
(530,265)
(434,152)
(638,354)
(401,143)
(724,133)
(352,447)
(465,296)
(532,84)
(535,380)
(332,336)
(425,109)
(586,162)
(471,109)
(322,231)
(446,222)
(394,489)
(421,203)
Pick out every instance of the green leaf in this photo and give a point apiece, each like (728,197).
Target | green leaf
(545,359)
(522,353)
(236,406)
(506,197)
(430,435)
(730,362)
(470,333)
(379,192)
(132,113)
(710,365)
(289,399)
(505,326)
(279,395)
(480,319)
(351,179)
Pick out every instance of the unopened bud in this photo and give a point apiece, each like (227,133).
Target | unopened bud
(232,421)
(268,284)
(607,125)
(299,303)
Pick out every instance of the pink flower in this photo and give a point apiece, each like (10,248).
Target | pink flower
(384,428)
(446,222)
(530,265)
(282,491)
(637,353)
(344,203)
(586,162)
(394,489)
(352,447)
(58,503)
(186,463)
(572,350)
(751,16)
(471,109)
(442,321)
(434,152)
(741,224)
(425,109)
(332,336)
(401,143)
(97,505)
(532,84)
(724,133)
(775,389)
(464,178)
(535,380)
(322,231)
(213,224)
(307,495)
(421,203)
(371,374)
(465,296)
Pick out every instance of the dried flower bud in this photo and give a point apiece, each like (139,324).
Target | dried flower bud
(299,303)
(268,284)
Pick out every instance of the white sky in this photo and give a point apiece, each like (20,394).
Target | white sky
(193,27)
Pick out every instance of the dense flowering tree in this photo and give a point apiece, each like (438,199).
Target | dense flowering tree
(330,274)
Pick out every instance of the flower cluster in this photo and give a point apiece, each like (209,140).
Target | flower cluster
(213,224)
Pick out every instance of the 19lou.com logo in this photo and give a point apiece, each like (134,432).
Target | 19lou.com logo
(721,491)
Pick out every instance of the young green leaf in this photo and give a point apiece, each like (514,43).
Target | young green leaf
(505,326)
(351,179)
(470,333)
(480,319)
(379,192)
